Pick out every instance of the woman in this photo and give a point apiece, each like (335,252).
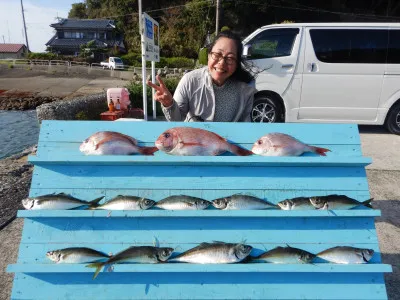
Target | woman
(217,93)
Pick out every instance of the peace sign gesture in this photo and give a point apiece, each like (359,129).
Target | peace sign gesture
(162,95)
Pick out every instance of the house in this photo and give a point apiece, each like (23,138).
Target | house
(13,51)
(72,33)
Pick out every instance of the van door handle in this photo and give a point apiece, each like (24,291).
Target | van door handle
(312,67)
(287,66)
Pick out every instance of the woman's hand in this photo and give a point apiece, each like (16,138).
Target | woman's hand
(162,95)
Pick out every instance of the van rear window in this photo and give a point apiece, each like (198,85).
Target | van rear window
(359,46)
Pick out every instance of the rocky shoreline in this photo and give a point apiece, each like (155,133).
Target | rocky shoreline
(24,100)
(15,181)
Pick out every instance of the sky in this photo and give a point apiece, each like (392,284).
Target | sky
(39,14)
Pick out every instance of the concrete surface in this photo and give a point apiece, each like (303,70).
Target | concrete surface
(383,177)
(57,85)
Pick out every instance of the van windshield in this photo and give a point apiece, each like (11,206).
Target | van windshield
(273,43)
(118,60)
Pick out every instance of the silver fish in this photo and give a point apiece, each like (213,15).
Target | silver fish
(76,255)
(113,143)
(135,254)
(214,253)
(241,202)
(127,203)
(337,202)
(346,255)
(280,144)
(299,203)
(182,202)
(57,201)
(285,255)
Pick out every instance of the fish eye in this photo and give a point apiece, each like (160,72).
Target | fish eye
(165,253)
(147,202)
(259,142)
(167,135)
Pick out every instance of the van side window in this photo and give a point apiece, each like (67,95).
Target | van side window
(394,47)
(356,46)
(272,43)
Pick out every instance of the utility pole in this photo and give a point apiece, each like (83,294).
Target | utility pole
(217,18)
(23,18)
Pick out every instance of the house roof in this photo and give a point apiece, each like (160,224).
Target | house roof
(84,24)
(74,42)
(10,48)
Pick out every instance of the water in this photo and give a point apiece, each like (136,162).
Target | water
(18,131)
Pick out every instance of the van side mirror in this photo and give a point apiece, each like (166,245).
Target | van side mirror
(246,51)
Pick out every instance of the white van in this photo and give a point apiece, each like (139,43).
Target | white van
(327,72)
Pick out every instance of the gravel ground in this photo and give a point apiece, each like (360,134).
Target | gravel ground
(15,181)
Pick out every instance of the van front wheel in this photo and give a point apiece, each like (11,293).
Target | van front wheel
(266,109)
(393,120)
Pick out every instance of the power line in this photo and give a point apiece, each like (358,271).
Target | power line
(318,10)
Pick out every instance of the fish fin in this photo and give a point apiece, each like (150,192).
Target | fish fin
(131,139)
(247,259)
(103,141)
(147,150)
(192,144)
(319,150)
(215,242)
(98,266)
(239,151)
(95,202)
(367,203)
(156,243)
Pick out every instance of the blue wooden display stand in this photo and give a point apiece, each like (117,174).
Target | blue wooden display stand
(60,167)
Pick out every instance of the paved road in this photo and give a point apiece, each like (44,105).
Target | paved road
(48,85)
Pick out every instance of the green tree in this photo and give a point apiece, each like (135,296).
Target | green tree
(78,11)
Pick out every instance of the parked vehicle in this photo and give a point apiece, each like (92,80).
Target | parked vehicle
(113,63)
(327,72)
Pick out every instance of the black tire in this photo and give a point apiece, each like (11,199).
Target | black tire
(267,109)
(393,119)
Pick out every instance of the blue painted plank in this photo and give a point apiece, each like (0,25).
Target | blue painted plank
(199,177)
(208,213)
(194,230)
(77,131)
(209,268)
(249,161)
(209,285)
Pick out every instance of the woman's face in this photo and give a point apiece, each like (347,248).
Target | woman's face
(221,69)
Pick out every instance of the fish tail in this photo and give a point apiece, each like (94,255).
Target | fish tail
(95,202)
(239,151)
(367,203)
(319,150)
(98,266)
(147,150)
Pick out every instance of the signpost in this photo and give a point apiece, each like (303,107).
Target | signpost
(150,34)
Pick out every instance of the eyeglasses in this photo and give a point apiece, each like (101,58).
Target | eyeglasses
(229,60)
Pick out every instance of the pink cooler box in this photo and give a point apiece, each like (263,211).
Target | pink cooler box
(119,93)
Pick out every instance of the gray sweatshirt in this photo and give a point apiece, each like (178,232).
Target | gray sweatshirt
(194,96)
